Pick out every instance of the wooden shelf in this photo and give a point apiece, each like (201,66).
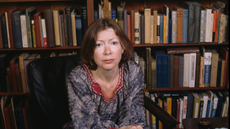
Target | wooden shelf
(33,0)
(12,93)
(135,45)
(187,88)
(41,48)
(178,44)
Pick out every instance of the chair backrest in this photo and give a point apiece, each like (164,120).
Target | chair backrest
(48,102)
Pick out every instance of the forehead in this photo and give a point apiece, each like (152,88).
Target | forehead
(107,33)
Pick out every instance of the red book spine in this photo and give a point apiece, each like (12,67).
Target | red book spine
(128,27)
(13,76)
(37,29)
(7,118)
(9,12)
(24,117)
(178,113)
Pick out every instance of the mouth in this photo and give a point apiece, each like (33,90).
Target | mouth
(108,60)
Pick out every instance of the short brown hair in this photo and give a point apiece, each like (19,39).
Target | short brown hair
(90,37)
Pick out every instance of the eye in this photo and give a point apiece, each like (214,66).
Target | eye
(115,42)
(98,44)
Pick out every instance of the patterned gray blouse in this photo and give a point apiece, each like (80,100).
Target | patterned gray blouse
(89,109)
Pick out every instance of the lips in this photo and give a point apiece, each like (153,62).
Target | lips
(108,61)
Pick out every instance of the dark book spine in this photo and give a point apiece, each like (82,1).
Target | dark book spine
(175,71)
(191,22)
(31,16)
(170,32)
(218,73)
(65,28)
(78,29)
(69,26)
(62,28)
(16,25)
(181,71)
(18,78)
(197,76)
(4,32)
(49,27)
(1,42)
(159,72)
(10,27)
(171,60)
(165,71)
(190,105)
(197,12)
(84,19)
(219,104)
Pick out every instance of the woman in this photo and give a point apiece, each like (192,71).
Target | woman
(107,91)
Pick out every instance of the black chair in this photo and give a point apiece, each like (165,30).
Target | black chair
(48,102)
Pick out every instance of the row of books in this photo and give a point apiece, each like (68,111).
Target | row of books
(185,67)
(13,112)
(182,105)
(13,69)
(32,29)
(191,23)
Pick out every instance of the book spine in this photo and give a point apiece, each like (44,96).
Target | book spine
(202,25)
(175,71)
(137,27)
(49,27)
(179,25)
(170,38)
(24,31)
(159,71)
(1,42)
(161,28)
(37,30)
(165,71)
(214,68)
(186,70)
(158,29)
(56,27)
(147,13)
(174,27)
(185,25)
(78,29)
(181,71)
(4,32)
(207,68)
(16,29)
(154,26)
(120,16)
(171,65)
(197,10)
(201,71)
(43,23)
(84,19)
(74,29)
(208,25)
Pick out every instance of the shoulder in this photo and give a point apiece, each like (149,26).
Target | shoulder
(78,73)
(132,67)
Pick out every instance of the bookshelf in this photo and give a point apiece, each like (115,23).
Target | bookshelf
(92,5)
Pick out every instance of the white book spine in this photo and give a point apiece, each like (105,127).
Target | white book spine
(208,25)
(181,112)
(205,98)
(192,69)
(137,27)
(185,107)
(202,25)
(24,31)
(151,30)
(211,28)
(7,30)
(174,26)
(186,70)
(44,31)
(158,28)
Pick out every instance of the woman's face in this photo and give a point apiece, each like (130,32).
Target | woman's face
(108,51)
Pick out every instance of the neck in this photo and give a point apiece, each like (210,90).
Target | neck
(106,75)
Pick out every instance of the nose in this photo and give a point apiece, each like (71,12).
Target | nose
(107,50)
